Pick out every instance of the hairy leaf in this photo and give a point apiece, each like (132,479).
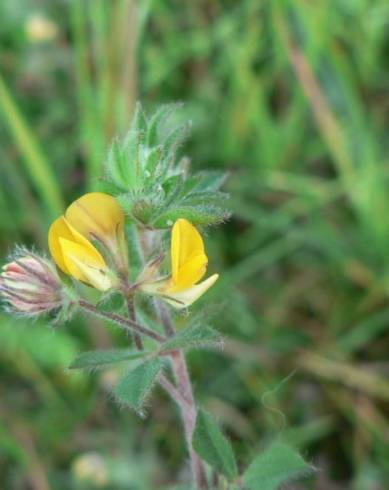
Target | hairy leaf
(194,336)
(94,359)
(134,388)
(278,464)
(211,445)
(198,215)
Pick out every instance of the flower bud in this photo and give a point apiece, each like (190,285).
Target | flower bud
(30,284)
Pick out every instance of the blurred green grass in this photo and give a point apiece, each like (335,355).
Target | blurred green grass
(292,99)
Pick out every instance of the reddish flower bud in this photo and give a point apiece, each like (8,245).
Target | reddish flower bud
(30,284)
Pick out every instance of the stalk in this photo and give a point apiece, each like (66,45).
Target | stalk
(189,415)
(188,407)
(129,298)
(182,392)
(123,322)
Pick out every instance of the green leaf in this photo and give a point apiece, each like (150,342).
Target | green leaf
(173,185)
(157,121)
(135,386)
(211,445)
(124,164)
(152,162)
(198,215)
(211,180)
(278,464)
(37,166)
(200,197)
(143,210)
(139,122)
(94,359)
(134,250)
(131,164)
(176,138)
(194,336)
(114,165)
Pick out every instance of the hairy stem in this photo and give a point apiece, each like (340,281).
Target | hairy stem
(172,391)
(123,322)
(163,381)
(182,394)
(186,402)
(166,319)
(189,415)
(132,315)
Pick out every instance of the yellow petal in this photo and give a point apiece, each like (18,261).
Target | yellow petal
(188,257)
(156,288)
(96,215)
(190,273)
(85,264)
(98,278)
(59,229)
(183,299)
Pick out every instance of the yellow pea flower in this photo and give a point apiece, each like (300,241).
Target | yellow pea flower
(94,216)
(188,264)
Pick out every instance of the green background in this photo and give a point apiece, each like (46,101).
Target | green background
(292,99)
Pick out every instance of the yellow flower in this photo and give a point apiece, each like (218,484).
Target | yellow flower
(40,29)
(91,468)
(97,217)
(188,264)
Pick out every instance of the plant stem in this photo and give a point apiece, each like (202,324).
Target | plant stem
(123,322)
(172,391)
(189,415)
(182,394)
(186,401)
(132,314)
(166,319)
(164,382)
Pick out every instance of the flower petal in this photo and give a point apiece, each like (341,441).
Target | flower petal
(96,215)
(85,264)
(183,299)
(62,229)
(190,273)
(188,257)
(59,229)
